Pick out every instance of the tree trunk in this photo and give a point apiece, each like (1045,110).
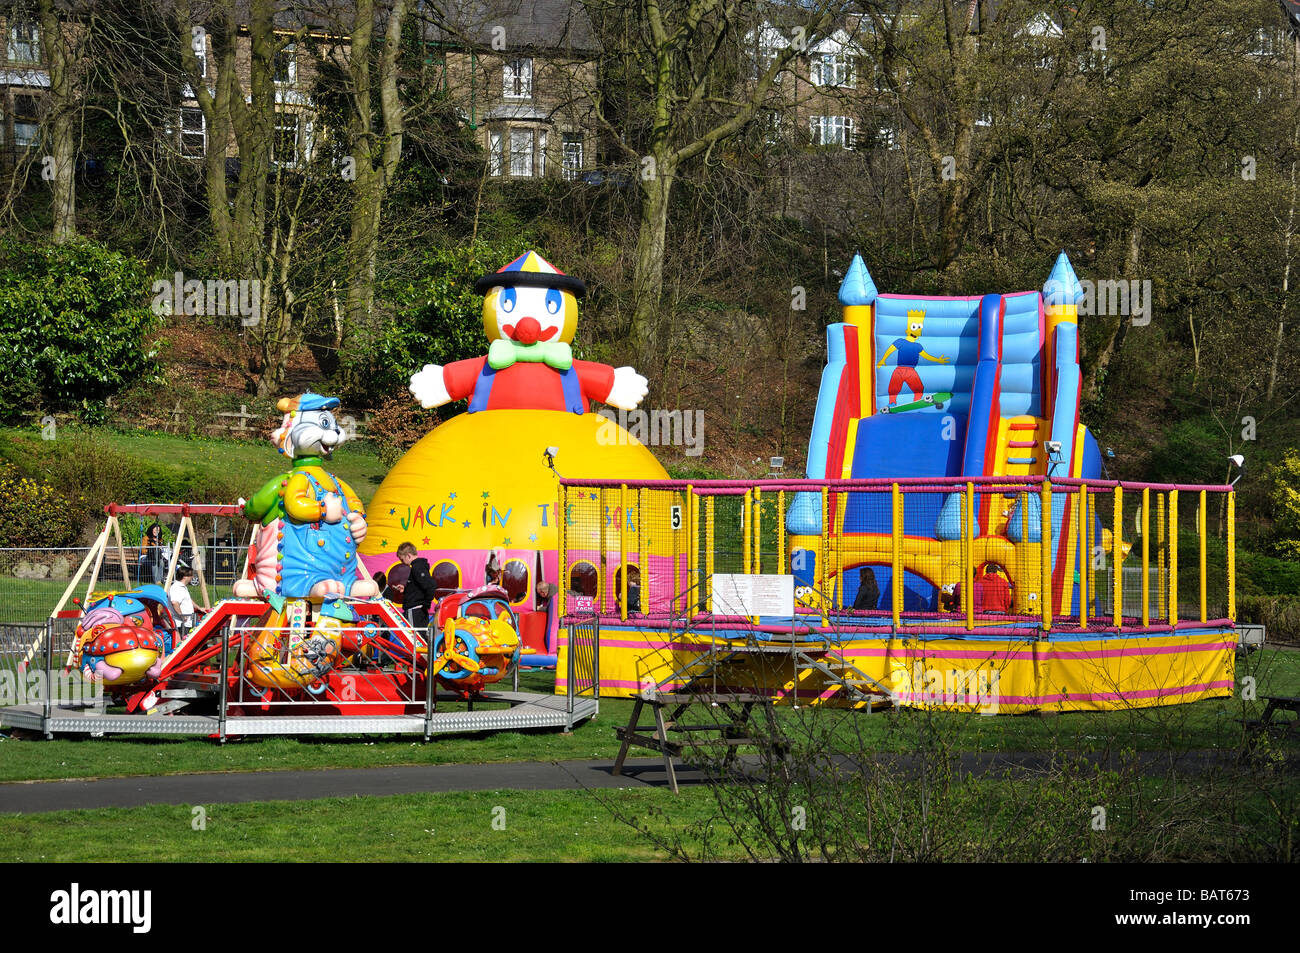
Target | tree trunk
(1116,326)
(648,264)
(375,156)
(63,151)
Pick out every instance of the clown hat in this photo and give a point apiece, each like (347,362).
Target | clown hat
(530,270)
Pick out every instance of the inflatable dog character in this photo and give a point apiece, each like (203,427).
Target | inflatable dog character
(311,520)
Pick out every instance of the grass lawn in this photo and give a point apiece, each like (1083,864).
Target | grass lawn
(1038,818)
(539,826)
(1202,725)
(250,462)
(254,460)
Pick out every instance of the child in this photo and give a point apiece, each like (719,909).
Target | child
(182,604)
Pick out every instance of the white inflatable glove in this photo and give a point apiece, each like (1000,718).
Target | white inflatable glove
(629,389)
(357,523)
(428,387)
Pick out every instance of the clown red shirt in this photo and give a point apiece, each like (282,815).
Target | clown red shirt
(526,385)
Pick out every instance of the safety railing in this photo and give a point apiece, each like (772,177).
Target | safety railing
(1018,553)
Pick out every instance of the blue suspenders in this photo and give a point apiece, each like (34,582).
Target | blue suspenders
(568,381)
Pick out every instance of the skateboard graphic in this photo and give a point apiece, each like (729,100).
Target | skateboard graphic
(933,400)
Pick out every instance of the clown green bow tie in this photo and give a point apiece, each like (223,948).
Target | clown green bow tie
(556,354)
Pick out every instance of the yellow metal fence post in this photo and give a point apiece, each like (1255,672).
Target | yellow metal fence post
(1232,555)
(622,551)
(638,543)
(780,532)
(823,554)
(603,573)
(968,555)
(746,517)
(1084,562)
(758,530)
(896,554)
(1162,604)
(1201,524)
(1117,559)
(1045,590)
(561,551)
(1173,557)
(692,551)
(1146,557)
(709,528)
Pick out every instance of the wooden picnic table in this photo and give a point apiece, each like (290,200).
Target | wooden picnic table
(731,730)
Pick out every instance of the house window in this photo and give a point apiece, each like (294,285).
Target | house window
(495,157)
(286,67)
(521,152)
(542,142)
(194,132)
(27,120)
(24,43)
(887,137)
(518,74)
(286,147)
(833,69)
(832,131)
(572,159)
(773,128)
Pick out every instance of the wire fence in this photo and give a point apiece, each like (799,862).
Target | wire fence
(33,580)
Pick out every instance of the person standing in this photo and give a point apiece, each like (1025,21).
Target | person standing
(417,597)
(182,603)
(152,566)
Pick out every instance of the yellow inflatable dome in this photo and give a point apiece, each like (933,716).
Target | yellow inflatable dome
(476,493)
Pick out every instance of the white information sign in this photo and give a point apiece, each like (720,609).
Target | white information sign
(737,594)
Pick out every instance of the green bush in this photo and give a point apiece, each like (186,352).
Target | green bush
(1280,615)
(35,514)
(1267,574)
(73,322)
(439,318)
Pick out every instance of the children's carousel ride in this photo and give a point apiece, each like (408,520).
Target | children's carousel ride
(306,645)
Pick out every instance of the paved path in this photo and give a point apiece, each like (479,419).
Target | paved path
(35,797)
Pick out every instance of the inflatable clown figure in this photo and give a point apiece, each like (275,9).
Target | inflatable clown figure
(529,313)
(311,520)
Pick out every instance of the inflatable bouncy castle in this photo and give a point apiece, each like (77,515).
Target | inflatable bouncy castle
(964,388)
(956,541)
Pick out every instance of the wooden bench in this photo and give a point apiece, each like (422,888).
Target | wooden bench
(730,731)
(1283,726)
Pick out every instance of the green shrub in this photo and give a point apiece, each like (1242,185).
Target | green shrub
(73,321)
(439,318)
(1280,615)
(35,514)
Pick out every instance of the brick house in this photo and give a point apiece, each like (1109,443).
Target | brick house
(522,75)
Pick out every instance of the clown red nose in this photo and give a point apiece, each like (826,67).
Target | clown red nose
(527,331)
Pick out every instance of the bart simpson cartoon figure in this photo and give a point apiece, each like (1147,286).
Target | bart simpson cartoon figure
(909,351)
